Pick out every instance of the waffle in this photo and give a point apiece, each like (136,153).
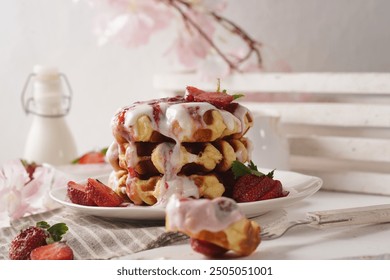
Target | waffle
(149,191)
(225,225)
(150,159)
(175,120)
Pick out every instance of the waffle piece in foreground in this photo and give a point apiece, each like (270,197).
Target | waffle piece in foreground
(217,221)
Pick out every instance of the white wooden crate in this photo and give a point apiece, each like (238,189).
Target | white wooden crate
(337,124)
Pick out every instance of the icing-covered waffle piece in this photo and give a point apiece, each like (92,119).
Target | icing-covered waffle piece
(175,119)
(218,221)
(159,189)
(147,159)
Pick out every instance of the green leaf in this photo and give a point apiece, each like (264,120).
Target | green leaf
(57,231)
(271,174)
(104,150)
(43,224)
(239,169)
(236,96)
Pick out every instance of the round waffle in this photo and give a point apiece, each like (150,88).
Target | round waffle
(149,159)
(158,188)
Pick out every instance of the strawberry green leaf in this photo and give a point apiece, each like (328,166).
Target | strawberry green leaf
(236,96)
(43,224)
(239,169)
(104,151)
(271,174)
(57,231)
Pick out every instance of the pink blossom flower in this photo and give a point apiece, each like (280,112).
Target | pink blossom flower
(20,196)
(191,45)
(132,22)
(198,24)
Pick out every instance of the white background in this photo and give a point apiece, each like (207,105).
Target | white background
(298,35)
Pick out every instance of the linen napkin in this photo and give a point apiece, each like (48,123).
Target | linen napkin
(94,237)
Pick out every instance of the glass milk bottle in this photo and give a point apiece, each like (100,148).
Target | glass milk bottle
(49,139)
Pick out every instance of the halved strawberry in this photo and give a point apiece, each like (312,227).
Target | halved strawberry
(252,188)
(102,194)
(92,157)
(253,185)
(207,248)
(218,99)
(276,191)
(53,251)
(77,193)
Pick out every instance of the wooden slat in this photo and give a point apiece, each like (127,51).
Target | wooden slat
(329,83)
(314,164)
(297,129)
(361,182)
(350,148)
(330,114)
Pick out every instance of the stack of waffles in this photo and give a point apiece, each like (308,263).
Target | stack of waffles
(176,146)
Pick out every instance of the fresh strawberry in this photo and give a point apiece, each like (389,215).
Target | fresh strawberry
(26,241)
(92,157)
(102,194)
(218,99)
(252,188)
(33,237)
(253,185)
(206,248)
(77,193)
(275,192)
(53,251)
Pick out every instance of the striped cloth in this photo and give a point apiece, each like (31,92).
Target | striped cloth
(96,238)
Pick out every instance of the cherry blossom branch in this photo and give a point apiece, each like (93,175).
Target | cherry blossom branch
(235,29)
(253,45)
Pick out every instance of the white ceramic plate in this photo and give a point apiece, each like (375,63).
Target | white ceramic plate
(299,186)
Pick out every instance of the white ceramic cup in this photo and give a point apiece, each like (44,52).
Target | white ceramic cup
(270,148)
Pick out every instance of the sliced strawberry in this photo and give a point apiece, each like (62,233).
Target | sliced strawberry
(54,251)
(218,99)
(26,241)
(102,194)
(92,157)
(206,248)
(252,188)
(275,192)
(77,193)
(253,185)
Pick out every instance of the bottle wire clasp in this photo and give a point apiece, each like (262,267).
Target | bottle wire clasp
(28,100)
